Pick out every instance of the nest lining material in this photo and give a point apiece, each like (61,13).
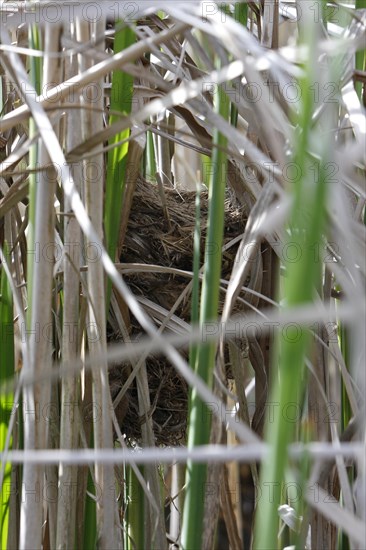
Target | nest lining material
(165,240)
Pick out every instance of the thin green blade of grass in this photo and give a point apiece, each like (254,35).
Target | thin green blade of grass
(195,304)
(199,417)
(150,165)
(6,400)
(196,273)
(241,13)
(90,518)
(346,411)
(35,73)
(303,276)
(135,511)
(121,100)
(360,61)
(241,16)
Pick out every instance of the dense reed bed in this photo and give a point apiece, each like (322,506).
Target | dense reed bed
(182,275)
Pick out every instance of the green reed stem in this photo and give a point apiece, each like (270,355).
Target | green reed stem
(199,414)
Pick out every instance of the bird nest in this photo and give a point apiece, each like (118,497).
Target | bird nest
(163,236)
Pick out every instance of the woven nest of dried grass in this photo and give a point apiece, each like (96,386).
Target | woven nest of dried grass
(163,236)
